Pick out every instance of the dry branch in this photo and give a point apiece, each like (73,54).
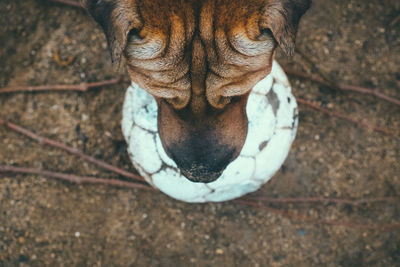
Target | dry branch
(343,87)
(361,124)
(352,202)
(73,178)
(68,2)
(305,219)
(71,150)
(394,21)
(82,87)
(258,203)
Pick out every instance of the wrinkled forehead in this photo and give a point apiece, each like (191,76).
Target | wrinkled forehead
(222,14)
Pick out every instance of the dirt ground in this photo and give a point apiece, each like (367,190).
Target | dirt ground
(45,222)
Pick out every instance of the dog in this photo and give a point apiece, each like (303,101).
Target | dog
(199,59)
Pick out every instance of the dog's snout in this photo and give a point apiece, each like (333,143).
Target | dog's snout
(203,142)
(202,160)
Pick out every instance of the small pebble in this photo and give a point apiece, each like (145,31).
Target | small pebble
(84,117)
(219,251)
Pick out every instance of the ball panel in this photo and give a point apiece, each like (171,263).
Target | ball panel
(284,116)
(127,114)
(143,148)
(270,159)
(175,185)
(264,86)
(163,155)
(261,123)
(238,171)
(279,75)
(145,109)
(232,191)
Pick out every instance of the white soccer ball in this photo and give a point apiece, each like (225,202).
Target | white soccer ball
(272,115)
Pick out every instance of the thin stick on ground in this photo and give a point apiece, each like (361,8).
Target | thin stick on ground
(394,21)
(71,150)
(305,219)
(246,201)
(322,200)
(359,123)
(68,2)
(73,178)
(82,87)
(343,87)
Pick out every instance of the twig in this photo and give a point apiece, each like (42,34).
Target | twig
(394,21)
(68,2)
(71,150)
(83,87)
(303,218)
(343,87)
(361,124)
(246,201)
(352,202)
(73,178)
(258,203)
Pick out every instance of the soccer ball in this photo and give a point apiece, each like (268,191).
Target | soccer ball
(273,118)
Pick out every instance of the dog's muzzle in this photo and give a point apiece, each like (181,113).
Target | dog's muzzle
(203,145)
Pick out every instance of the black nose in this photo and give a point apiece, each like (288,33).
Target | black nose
(202,160)
(199,174)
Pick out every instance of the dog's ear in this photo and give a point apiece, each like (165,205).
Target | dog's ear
(282,17)
(117,18)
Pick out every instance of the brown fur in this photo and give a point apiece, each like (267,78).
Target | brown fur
(199,59)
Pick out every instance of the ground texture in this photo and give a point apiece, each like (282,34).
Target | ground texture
(45,222)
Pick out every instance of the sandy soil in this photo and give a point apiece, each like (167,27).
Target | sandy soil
(45,222)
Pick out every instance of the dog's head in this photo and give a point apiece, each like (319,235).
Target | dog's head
(199,59)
